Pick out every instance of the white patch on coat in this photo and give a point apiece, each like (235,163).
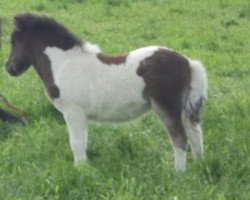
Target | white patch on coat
(105,92)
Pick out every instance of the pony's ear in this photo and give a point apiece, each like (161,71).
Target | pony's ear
(18,23)
(21,21)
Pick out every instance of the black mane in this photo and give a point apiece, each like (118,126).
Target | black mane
(53,33)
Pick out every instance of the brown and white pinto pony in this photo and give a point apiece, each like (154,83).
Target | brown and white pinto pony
(82,83)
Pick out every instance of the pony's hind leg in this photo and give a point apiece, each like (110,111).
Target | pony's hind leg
(194,135)
(173,123)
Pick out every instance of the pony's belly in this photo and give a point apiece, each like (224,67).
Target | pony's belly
(117,102)
(107,103)
(119,113)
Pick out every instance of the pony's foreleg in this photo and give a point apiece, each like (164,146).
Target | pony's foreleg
(77,126)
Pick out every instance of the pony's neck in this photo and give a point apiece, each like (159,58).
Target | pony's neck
(47,62)
(42,66)
(57,55)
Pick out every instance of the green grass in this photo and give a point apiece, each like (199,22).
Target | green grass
(135,161)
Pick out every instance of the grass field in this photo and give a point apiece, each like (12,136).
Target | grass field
(134,161)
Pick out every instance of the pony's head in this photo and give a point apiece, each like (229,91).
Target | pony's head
(19,59)
(30,36)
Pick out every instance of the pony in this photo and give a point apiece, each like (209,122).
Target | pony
(85,84)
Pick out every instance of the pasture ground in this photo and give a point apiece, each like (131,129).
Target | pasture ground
(134,161)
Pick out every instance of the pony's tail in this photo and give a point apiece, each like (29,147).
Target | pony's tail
(197,93)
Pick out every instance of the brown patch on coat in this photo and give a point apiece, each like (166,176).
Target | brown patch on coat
(43,68)
(167,76)
(109,60)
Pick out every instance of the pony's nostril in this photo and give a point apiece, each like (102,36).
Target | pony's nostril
(11,69)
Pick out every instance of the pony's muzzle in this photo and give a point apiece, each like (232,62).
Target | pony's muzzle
(11,69)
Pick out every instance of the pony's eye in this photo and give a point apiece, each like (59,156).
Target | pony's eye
(13,39)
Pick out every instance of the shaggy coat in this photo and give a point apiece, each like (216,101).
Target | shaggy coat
(83,83)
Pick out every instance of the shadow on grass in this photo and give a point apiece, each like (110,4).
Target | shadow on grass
(7,128)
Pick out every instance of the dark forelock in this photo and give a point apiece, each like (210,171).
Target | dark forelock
(46,27)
